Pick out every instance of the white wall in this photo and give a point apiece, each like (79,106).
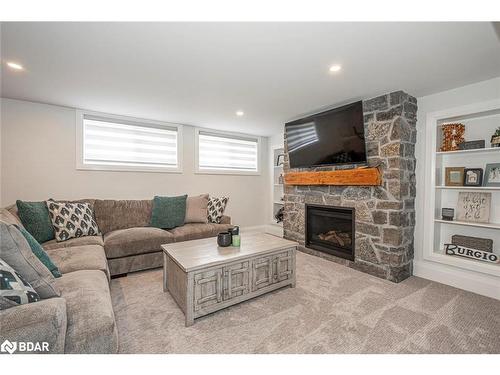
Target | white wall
(38,162)
(475,93)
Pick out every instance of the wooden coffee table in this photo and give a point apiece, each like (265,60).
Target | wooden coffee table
(203,278)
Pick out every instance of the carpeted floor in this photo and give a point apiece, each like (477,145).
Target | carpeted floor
(333,309)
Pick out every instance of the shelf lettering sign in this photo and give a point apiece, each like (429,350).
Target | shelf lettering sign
(461,251)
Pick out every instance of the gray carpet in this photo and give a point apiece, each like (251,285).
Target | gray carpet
(333,309)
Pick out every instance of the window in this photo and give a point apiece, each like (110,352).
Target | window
(219,152)
(119,143)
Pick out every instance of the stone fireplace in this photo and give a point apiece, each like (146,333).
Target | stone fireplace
(384,216)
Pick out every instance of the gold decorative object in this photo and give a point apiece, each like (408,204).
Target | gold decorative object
(453,135)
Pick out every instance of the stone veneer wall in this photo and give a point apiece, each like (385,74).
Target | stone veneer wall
(385,215)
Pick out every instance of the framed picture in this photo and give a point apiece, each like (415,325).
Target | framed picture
(454,176)
(474,207)
(492,175)
(473,177)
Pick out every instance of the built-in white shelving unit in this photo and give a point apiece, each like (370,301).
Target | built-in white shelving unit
(277,191)
(480,121)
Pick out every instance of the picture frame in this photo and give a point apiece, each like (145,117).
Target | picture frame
(492,175)
(474,207)
(454,176)
(473,177)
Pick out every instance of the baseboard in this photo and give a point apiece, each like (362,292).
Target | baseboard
(485,285)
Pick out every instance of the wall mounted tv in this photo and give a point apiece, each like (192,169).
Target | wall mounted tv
(332,137)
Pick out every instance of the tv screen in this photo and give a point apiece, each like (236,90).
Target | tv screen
(328,138)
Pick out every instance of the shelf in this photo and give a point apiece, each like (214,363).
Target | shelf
(476,150)
(470,224)
(280,202)
(346,177)
(468,264)
(278,166)
(278,185)
(486,188)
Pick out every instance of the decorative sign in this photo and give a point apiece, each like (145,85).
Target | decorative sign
(448,213)
(474,207)
(452,249)
(471,145)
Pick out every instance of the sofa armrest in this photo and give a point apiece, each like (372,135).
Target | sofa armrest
(37,322)
(225,219)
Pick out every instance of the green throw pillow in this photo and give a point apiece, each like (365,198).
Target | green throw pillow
(36,220)
(168,212)
(40,253)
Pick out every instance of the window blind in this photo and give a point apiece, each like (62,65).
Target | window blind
(231,153)
(122,143)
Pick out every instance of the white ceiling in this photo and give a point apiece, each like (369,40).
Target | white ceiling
(201,73)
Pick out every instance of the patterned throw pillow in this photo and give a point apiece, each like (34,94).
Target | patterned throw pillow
(71,220)
(215,209)
(14,288)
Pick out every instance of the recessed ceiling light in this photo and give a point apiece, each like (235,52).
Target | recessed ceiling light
(14,65)
(240,113)
(335,68)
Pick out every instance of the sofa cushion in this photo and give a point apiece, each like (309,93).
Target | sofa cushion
(91,322)
(40,253)
(132,241)
(196,231)
(71,220)
(77,258)
(17,253)
(14,288)
(36,220)
(8,216)
(168,212)
(79,241)
(122,214)
(196,209)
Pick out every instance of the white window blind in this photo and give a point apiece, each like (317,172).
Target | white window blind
(123,143)
(227,152)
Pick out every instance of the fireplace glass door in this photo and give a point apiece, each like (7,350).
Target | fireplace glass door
(331,230)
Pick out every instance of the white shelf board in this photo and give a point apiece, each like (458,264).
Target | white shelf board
(468,264)
(281,202)
(278,184)
(278,166)
(486,188)
(476,150)
(468,223)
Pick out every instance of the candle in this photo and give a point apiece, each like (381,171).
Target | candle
(236,240)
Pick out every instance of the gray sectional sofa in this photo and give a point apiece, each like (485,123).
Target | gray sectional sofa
(81,320)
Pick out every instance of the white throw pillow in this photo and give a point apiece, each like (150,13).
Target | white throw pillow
(216,207)
(71,220)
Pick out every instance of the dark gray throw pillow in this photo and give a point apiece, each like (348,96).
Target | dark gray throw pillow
(36,220)
(17,253)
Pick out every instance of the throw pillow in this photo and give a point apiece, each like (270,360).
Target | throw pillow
(36,220)
(17,253)
(168,212)
(71,220)
(40,252)
(14,290)
(196,209)
(216,207)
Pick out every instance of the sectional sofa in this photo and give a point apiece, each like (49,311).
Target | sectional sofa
(81,320)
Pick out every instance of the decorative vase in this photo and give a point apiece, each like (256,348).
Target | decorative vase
(224,239)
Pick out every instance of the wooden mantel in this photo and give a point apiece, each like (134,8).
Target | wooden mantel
(346,177)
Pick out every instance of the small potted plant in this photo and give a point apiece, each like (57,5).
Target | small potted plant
(495,138)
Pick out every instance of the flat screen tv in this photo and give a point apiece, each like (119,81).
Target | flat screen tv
(332,137)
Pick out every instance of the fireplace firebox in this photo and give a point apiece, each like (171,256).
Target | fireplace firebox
(331,230)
